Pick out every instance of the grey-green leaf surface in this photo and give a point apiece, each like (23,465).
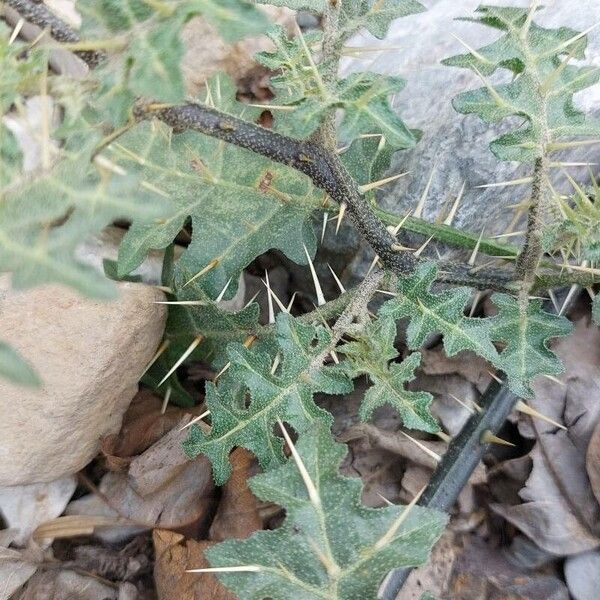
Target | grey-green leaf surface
(542,88)
(285,393)
(329,547)
(15,368)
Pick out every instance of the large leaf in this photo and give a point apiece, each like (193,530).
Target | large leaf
(371,354)
(526,334)
(240,204)
(285,393)
(329,547)
(542,88)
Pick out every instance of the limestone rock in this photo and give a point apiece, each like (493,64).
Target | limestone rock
(90,356)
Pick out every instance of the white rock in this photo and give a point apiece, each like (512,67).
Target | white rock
(90,356)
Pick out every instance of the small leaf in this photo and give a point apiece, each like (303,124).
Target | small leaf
(526,335)
(336,549)
(371,354)
(15,369)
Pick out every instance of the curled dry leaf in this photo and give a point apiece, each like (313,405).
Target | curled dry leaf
(559,510)
(174,556)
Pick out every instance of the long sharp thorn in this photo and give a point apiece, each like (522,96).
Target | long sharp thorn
(385,499)
(238,569)
(448,220)
(554,379)
(372,265)
(16,31)
(276,362)
(183,302)
(318,290)
(340,216)
(475,303)
(252,299)
(495,377)
(325,218)
(220,296)
(388,536)
(166,399)
(443,436)
(475,250)
(189,350)
(419,210)
(291,302)
(313,493)
(195,420)
(223,370)
(487,437)
(337,280)
(398,227)
(334,357)
(423,447)
(381,182)
(526,409)
(572,291)
(472,51)
(157,355)
(269,299)
(470,409)
(520,181)
(420,250)
(279,303)
(386,293)
(568,42)
(211,265)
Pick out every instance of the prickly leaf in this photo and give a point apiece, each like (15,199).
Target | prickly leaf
(329,548)
(284,393)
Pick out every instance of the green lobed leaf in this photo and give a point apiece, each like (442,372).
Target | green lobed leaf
(359,545)
(542,88)
(371,354)
(441,312)
(526,354)
(240,204)
(15,368)
(286,394)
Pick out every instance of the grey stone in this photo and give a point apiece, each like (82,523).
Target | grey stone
(582,573)
(90,356)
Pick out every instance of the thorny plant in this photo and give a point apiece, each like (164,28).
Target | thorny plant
(124,142)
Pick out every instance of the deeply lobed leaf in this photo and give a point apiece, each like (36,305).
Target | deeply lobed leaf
(251,397)
(336,549)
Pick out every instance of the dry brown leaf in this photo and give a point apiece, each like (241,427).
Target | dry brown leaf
(560,512)
(143,425)
(68,585)
(237,515)
(593,462)
(173,556)
(469,365)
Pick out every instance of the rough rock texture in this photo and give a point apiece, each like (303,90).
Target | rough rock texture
(90,356)
(457,145)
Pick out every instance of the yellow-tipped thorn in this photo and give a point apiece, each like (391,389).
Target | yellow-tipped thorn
(487,437)
(163,408)
(419,210)
(340,216)
(16,31)
(337,280)
(318,290)
(195,420)
(222,371)
(157,355)
(372,265)
(380,183)
(526,409)
(313,494)
(420,250)
(423,447)
(279,303)
(520,181)
(448,220)
(334,357)
(388,536)
(220,296)
(398,227)
(211,265)
(473,256)
(189,350)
